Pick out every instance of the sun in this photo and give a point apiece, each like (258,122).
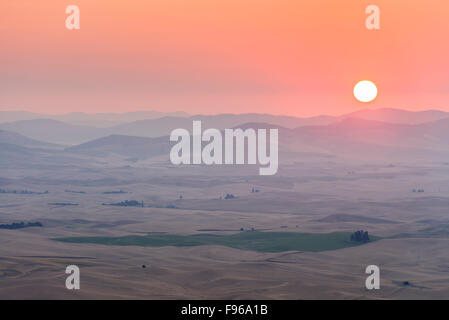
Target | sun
(365,91)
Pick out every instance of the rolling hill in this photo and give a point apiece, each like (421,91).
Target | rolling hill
(13,138)
(53,131)
(128,146)
(348,138)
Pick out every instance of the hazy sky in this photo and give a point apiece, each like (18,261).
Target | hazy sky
(296,57)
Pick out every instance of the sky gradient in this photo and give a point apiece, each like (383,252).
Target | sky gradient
(288,57)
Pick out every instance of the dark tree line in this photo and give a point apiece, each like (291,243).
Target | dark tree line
(20,225)
(73,191)
(21,191)
(115,192)
(126,203)
(62,204)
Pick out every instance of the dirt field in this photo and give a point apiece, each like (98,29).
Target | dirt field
(311,197)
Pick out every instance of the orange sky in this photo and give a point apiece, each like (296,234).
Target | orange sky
(290,57)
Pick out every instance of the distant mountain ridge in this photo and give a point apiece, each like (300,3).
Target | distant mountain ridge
(398,116)
(58,132)
(111,119)
(347,138)
(100,120)
(129,146)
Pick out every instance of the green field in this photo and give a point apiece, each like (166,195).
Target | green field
(254,241)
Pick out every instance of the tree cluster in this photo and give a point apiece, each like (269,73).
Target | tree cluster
(360,236)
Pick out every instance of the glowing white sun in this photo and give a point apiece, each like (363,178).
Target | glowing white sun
(365,91)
